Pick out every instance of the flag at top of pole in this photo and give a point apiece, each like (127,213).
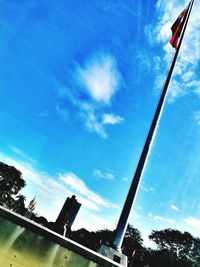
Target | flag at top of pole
(177,27)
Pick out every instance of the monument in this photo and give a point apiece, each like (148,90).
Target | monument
(67,215)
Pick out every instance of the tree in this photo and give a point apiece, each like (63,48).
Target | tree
(19,205)
(101,237)
(41,220)
(81,236)
(158,258)
(11,182)
(93,240)
(132,246)
(182,247)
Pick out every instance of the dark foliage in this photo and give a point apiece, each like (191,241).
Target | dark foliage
(11,182)
(177,248)
(19,205)
(41,220)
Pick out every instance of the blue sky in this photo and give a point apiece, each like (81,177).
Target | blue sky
(79,85)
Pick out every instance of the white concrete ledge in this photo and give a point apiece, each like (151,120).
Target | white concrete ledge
(70,245)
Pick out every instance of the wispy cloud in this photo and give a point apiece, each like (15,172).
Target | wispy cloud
(62,185)
(111,119)
(147,242)
(45,186)
(96,122)
(185,80)
(147,188)
(102,223)
(78,185)
(173,207)
(93,222)
(39,183)
(103,175)
(144,64)
(93,121)
(187,76)
(192,222)
(93,86)
(161,218)
(19,152)
(100,77)
(175,91)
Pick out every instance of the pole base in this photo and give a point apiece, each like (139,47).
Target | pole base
(113,254)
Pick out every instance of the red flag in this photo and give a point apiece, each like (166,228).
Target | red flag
(177,27)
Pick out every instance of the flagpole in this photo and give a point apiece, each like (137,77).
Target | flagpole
(123,220)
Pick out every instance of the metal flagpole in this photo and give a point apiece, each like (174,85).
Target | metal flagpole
(123,220)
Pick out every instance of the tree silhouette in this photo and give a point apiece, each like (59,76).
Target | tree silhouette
(19,205)
(180,248)
(41,220)
(11,182)
(175,249)
(132,246)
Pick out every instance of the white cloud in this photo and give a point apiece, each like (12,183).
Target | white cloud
(147,242)
(90,92)
(195,223)
(161,219)
(96,122)
(93,222)
(185,73)
(173,207)
(111,119)
(45,186)
(164,32)
(102,223)
(79,186)
(147,188)
(175,91)
(92,122)
(187,76)
(100,77)
(103,175)
(19,152)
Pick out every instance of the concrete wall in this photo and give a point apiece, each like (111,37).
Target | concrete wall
(24,243)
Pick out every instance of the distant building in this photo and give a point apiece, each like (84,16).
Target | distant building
(67,215)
